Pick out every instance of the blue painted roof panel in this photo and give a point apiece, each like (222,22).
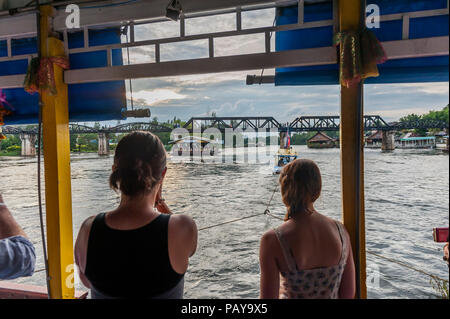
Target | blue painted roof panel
(430,69)
(87,102)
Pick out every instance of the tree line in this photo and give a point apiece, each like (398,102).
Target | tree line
(441,115)
(88,142)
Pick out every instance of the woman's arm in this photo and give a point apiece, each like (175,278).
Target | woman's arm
(270,276)
(347,289)
(182,241)
(17,253)
(8,225)
(80,250)
(160,203)
(17,257)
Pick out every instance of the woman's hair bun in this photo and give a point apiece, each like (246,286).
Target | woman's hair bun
(139,162)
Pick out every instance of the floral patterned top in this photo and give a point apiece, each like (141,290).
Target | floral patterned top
(316,283)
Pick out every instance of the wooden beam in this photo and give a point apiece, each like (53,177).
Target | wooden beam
(58,198)
(416,48)
(12,81)
(352,155)
(304,57)
(99,14)
(436,46)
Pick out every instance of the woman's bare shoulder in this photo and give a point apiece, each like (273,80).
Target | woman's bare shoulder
(337,223)
(269,240)
(183,223)
(87,224)
(330,221)
(85,228)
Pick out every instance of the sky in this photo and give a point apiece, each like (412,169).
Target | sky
(226,94)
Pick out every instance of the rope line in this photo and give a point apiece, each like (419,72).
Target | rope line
(407,266)
(131,86)
(267,212)
(270,38)
(230,221)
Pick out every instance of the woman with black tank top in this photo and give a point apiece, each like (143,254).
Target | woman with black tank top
(138,250)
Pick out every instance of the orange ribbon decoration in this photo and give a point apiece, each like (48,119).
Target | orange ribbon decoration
(41,74)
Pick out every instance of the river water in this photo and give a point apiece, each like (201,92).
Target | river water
(406,195)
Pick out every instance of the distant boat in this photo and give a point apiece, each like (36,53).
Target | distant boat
(412,141)
(194,146)
(283,157)
(285,154)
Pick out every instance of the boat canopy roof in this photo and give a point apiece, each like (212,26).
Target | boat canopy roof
(100,101)
(418,138)
(399,20)
(287,155)
(413,33)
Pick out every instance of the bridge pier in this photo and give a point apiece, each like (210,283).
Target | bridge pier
(103,144)
(387,141)
(28,144)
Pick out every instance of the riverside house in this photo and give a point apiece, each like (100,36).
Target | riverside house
(321,140)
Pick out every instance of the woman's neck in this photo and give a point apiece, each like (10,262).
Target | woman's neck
(310,208)
(139,204)
(308,212)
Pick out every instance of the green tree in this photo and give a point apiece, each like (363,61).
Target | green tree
(73,142)
(442,115)
(88,142)
(10,141)
(164,137)
(413,118)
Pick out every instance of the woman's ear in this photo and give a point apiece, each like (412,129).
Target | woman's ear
(114,167)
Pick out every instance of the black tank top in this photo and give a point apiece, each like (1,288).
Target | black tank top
(130,263)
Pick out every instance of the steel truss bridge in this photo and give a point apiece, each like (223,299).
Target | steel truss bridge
(305,124)
(84,129)
(300,124)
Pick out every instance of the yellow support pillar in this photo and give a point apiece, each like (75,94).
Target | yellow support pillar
(352,154)
(58,201)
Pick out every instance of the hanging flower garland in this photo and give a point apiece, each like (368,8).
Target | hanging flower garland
(5,109)
(41,75)
(360,53)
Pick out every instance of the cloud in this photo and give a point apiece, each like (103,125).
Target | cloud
(430,88)
(242,107)
(402,88)
(226,94)
(396,114)
(155,97)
